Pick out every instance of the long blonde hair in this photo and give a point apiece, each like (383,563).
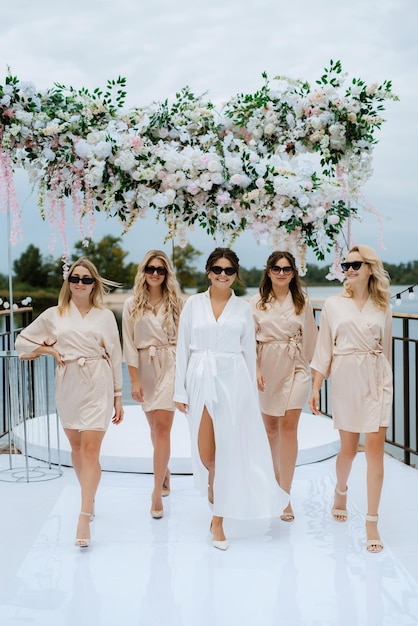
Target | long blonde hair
(172,299)
(379,279)
(100,286)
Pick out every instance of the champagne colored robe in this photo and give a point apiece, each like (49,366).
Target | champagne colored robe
(355,348)
(90,347)
(148,347)
(215,367)
(285,345)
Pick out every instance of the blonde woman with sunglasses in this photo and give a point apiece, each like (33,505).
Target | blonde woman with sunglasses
(216,388)
(286,333)
(149,324)
(354,348)
(83,338)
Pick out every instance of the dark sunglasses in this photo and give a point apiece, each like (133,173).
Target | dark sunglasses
(86,280)
(217,269)
(355,265)
(150,269)
(287,269)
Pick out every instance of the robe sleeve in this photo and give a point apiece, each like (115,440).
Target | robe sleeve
(248,343)
(182,354)
(387,337)
(310,332)
(130,351)
(322,357)
(38,333)
(113,348)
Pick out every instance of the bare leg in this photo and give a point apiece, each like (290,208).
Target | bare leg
(160,422)
(271,423)
(374,447)
(345,458)
(207,448)
(85,447)
(288,452)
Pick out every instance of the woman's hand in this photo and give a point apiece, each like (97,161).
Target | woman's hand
(137,392)
(261,383)
(314,402)
(180,406)
(118,415)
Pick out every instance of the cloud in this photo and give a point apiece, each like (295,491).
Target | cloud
(222,47)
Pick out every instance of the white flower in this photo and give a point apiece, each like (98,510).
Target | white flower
(103,149)
(125,160)
(83,149)
(320,212)
(333,219)
(49,154)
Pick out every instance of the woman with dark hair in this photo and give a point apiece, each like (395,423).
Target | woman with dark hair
(216,387)
(286,334)
(83,338)
(149,323)
(355,348)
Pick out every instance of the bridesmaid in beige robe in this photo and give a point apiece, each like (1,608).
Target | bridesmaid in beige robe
(286,334)
(354,348)
(83,338)
(149,325)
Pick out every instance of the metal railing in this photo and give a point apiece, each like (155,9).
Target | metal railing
(402,434)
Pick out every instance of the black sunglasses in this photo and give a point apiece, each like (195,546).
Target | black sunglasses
(287,269)
(217,269)
(151,269)
(86,280)
(354,264)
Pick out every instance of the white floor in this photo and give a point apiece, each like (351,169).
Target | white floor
(144,572)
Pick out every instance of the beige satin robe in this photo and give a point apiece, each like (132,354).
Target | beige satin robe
(90,347)
(147,346)
(285,345)
(355,348)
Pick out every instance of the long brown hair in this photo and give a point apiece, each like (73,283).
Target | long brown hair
(172,299)
(379,279)
(100,286)
(295,286)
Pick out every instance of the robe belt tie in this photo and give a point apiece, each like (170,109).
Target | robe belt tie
(374,367)
(82,362)
(293,343)
(152,353)
(207,370)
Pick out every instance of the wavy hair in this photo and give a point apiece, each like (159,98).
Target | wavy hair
(224,253)
(295,286)
(379,279)
(172,299)
(100,286)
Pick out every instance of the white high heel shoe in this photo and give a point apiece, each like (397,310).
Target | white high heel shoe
(83,542)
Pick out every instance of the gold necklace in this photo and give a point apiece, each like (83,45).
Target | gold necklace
(155,304)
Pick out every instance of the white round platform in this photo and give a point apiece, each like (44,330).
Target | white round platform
(127,447)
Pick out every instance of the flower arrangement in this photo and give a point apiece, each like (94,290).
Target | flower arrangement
(287,162)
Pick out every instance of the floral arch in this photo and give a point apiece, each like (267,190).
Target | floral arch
(247,166)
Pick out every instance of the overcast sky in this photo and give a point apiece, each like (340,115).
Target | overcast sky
(222,47)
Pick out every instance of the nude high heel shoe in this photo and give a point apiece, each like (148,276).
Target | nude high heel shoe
(373,545)
(340,515)
(82,542)
(166,485)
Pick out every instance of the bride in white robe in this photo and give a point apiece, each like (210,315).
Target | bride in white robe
(216,381)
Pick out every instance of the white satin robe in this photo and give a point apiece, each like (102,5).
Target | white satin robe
(148,347)
(355,348)
(285,345)
(90,347)
(215,367)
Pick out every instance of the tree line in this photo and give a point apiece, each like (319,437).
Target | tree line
(34,271)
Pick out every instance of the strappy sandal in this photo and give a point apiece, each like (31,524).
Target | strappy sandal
(340,515)
(82,542)
(374,546)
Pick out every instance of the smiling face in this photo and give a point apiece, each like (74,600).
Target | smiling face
(155,272)
(81,290)
(281,273)
(218,276)
(356,276)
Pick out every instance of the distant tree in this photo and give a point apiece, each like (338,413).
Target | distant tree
(29,267)
(108,256)
(185,272)
(4,281)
